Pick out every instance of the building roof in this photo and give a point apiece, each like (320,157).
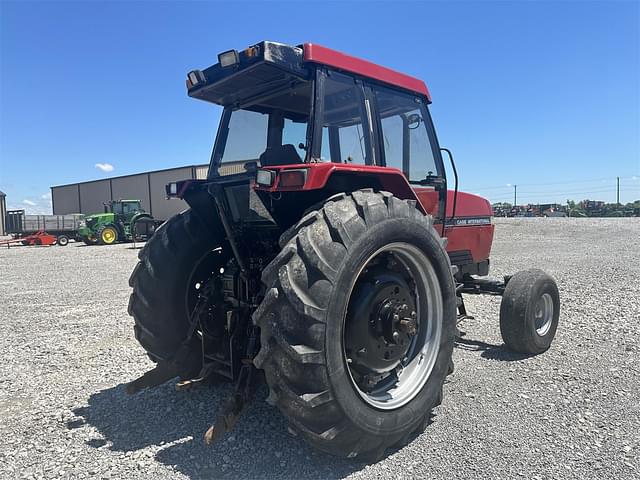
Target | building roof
(133,175)
(2,194)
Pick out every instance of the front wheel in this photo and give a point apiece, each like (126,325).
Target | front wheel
(107,235)
(529,312)
(357,325)
(62,240)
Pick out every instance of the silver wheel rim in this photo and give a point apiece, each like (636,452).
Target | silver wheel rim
(422,355)
(543,314)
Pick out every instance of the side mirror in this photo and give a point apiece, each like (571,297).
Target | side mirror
(413,121)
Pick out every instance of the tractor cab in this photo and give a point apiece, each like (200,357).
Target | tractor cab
(124,210)
(310,118)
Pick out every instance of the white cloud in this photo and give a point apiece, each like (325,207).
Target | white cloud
(105,167)
(29,202)
(508,184)
(634,178)
(46,196)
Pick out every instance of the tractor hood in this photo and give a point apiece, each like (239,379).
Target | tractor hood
(98,216)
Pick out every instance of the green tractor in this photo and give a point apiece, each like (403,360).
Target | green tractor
(122,220)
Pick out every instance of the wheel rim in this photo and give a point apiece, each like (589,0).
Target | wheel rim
(108,235)
(544,314)
(402,331)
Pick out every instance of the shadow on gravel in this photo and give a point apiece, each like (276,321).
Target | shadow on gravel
(490,351)
(259,447)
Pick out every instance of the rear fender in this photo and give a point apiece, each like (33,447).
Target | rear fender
(138,216)
(345,177)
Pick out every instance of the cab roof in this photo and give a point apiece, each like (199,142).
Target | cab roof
(268,65)
(326,56)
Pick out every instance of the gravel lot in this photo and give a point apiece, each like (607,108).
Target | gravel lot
(573,412)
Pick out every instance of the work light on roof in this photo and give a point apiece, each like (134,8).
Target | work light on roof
(228,59)
(195,77)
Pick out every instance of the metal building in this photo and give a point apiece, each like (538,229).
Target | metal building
(148,187)
(3,213)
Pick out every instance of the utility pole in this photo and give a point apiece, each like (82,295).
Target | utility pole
(515,195)
(618,191)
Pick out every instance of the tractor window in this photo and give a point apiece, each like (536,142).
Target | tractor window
(344,131)
(128,208)
(247,137)
(295,133)
(404,134)
(271,130)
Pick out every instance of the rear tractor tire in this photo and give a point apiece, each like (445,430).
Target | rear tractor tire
(357,324)
(172,265)
(107,235)
(529,312)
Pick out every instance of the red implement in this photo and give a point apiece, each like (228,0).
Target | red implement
(39,238)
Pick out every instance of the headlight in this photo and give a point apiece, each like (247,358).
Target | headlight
(265,177)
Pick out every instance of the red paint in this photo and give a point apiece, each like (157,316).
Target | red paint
(468,205)
(429,198)
(477,239)
(318,174)
(326,56)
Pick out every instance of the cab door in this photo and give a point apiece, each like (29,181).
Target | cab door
(406,141)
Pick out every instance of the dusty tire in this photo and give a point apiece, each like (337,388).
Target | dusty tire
(302,321)
(169,266)
(107,235)
(529,312)
(62,240)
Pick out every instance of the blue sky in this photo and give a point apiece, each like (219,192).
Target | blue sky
(545,95)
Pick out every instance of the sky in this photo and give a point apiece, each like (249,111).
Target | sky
(543,95)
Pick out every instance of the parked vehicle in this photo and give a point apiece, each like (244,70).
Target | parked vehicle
(62,227)
(335,265)
(122,221)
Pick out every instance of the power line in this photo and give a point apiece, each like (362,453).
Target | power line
(571,182)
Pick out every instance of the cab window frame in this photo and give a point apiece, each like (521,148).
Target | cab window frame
(369,135)
(421,104)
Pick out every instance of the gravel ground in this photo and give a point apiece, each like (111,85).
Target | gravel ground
(573,412)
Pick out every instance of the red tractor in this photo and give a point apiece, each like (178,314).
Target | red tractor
(334,266)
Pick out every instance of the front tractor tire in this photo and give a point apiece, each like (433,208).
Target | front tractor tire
(173,264)
(357,324)
(529,312)
(107,235)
